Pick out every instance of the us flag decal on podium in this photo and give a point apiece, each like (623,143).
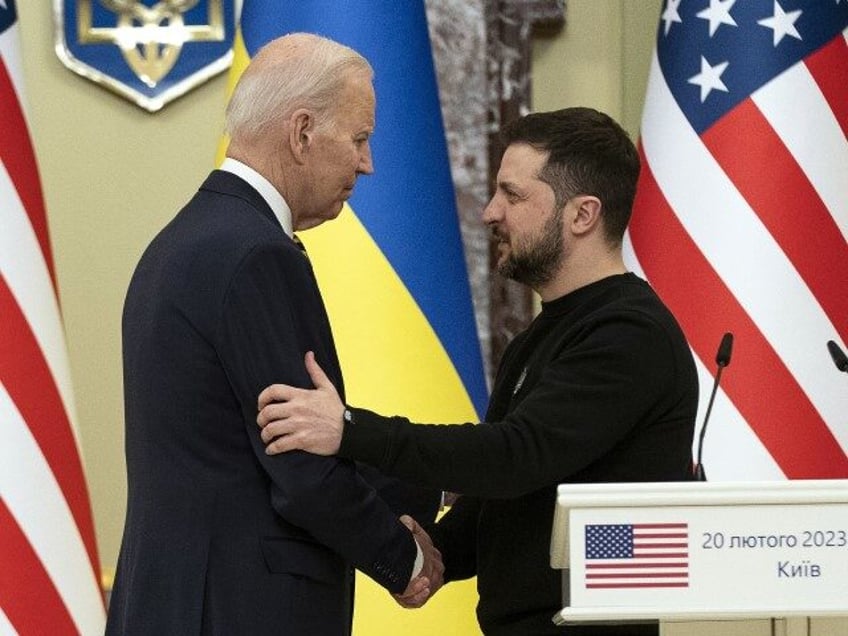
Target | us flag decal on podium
(741,219)
(639,555)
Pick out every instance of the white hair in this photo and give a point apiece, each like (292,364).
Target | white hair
(299,70)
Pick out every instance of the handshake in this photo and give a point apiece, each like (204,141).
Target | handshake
(430,578)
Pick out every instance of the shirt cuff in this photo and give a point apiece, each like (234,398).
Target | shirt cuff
(419,561)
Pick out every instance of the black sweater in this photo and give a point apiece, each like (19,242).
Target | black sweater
(601,387)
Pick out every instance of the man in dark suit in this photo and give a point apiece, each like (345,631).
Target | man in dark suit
(601,387)
(221,538)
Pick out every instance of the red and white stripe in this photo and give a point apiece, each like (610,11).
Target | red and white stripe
(744,229)
(661,540)
(49,569)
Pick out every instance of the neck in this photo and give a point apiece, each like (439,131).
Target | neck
(577,271)
(275,169)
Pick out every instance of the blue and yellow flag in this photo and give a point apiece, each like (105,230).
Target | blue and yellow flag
(391,267)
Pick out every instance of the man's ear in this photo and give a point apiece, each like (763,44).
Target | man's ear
(587,215)
(301,133)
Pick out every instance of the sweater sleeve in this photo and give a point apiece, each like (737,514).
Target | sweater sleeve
(587,397)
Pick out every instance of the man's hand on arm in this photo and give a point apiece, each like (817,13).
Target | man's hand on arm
(312,420)
(304,419)
(428,581)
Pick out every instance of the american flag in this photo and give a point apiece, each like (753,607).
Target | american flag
(49,581)
(639,555)
(741,220)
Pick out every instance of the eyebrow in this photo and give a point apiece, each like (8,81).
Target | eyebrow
(509,185)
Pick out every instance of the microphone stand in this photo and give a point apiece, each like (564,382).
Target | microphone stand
(722,360)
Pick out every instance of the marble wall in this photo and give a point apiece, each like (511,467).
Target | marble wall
(481,50)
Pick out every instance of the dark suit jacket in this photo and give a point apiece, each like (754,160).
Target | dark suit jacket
(219,537)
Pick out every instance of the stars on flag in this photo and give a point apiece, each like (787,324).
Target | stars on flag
(718,13)
(724,38)
(709,78)
(782,23)
(671,14)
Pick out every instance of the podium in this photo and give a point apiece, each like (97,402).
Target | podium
(701,550)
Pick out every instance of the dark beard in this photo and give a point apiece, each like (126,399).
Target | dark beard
(534,265)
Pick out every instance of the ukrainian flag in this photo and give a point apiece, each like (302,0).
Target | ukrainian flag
(391,267)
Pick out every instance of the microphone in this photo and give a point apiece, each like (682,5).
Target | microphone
(725,348)
(838,355)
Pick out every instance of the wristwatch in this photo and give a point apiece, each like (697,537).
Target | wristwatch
(347,417)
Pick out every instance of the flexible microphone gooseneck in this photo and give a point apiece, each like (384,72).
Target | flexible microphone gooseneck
(838,355)
(722,360)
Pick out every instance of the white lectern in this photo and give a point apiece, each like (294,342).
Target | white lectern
(701,550)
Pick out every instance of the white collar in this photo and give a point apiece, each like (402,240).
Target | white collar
(268,192)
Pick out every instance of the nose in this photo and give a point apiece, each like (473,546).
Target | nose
(366,166)
(491,213)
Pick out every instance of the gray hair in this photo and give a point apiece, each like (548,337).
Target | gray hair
(299,70)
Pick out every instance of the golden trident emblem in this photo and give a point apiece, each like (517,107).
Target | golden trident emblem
(150,38)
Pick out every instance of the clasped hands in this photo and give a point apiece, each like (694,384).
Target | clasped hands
(311,420)
(430,579)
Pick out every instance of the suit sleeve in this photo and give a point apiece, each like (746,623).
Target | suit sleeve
(271,315)
(588,399)
(420,503)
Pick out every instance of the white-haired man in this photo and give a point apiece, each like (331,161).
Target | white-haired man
(221,538)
